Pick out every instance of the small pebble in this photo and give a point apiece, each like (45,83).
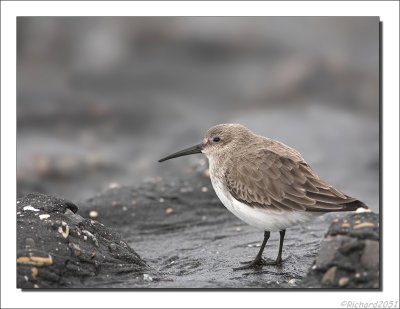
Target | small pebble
(34,272)
(44,216)
(336,220)
(112,247)
(203,218)
(36,286)
(147,277)
(124,208)
(93,214)
(329,276)
(161,200)
(292,281)
(345,225)
(133,202)
(204,189)
(169,211)
(343,281)
(238,229)
(114,203)
(364,225)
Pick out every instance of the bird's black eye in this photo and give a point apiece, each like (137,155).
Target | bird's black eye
(216,139)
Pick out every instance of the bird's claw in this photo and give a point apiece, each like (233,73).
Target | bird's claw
(257,263)
(251,264)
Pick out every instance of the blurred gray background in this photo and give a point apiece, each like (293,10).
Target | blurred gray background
(101,99)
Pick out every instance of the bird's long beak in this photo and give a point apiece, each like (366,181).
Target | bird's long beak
(188,151)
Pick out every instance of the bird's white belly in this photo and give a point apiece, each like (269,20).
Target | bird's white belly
(266,220)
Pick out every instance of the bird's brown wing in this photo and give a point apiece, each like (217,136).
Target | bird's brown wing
(279,183)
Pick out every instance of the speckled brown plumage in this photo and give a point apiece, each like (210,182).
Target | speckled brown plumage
(268,180)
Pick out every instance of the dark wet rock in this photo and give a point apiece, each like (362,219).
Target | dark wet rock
(57,248)
(370,255)
(328,251)
(360,226)
(349,254)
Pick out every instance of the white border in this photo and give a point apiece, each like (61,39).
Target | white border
(11,297)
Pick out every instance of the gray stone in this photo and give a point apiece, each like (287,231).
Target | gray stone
(328,251)
(370,255)
(351,245)
(329,276)
(347,259)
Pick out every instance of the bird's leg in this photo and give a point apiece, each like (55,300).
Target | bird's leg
(282,237)
(258,261)
(278,260)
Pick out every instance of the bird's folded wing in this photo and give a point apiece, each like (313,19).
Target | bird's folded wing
(280,183)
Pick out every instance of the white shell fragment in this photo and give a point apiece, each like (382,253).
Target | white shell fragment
(44,216)
(64,230)
(29,207)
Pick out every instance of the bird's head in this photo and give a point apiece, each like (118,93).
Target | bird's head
(218,140)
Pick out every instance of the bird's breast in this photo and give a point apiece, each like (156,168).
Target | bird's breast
(263,219)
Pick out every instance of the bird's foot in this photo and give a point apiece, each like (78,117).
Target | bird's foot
(257,263)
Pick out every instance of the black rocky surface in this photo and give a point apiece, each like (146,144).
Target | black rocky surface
(56,247)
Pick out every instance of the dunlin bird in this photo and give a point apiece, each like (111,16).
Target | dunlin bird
(265,183)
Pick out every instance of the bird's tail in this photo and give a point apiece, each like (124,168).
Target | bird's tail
(354,205)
